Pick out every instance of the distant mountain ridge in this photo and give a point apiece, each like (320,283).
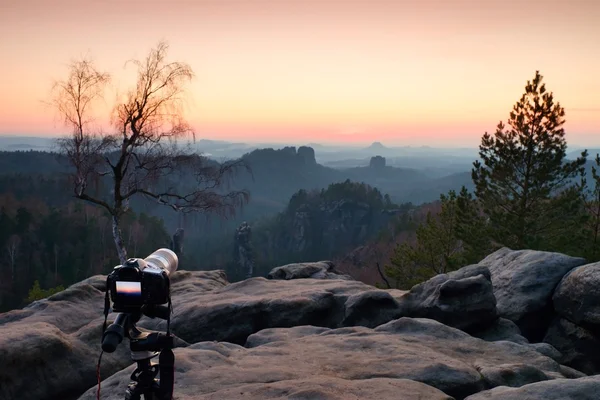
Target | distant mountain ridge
(237,149)
(24,143)
(376,146)
(276,174)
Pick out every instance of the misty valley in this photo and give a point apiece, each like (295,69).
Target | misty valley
(353,208)
(298,210)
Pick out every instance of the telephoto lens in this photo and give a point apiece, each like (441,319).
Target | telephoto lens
(164,259)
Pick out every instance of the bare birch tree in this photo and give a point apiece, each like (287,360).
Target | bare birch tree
(141,156)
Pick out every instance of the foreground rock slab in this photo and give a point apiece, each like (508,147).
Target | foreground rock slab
(39,361)
(49,350)
(236,311)
(559,389)
(524,282)
(463,299)
(275,362)
(294,389)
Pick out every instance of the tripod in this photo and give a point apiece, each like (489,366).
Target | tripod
(144,346)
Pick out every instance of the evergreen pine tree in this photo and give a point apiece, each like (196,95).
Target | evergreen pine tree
(523,178)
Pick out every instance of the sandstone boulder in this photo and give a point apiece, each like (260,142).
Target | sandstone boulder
(501,329)
(550,351)
(577,297)
(298,333)
(314,270)
(234,312)
(278,361)
(524,282)
(586,388)
(371,308)
(579,347)
(463,299)
(207,307)
(36,357)
(322,388)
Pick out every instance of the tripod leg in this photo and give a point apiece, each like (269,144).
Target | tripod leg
(143,382)
(132,392)
(167,373)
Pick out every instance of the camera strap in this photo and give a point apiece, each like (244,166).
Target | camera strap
(106,307)
(106,310)
(166,360)
(170,306)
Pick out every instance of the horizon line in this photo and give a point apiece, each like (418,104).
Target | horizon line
(360,145)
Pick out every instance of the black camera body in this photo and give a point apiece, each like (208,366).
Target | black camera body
(141,287)
(142,282)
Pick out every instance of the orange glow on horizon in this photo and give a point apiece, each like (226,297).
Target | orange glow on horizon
(400,72)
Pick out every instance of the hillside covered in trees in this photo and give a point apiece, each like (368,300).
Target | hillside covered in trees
(60,245)
(56,241)
(316,225)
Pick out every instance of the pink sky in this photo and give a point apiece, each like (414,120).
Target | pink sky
(400,72)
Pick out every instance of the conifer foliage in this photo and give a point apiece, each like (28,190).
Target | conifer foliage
(523,181)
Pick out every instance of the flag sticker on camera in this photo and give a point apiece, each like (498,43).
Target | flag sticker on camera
(133,289)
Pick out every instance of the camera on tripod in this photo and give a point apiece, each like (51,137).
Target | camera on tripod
(142,282)
(142,287)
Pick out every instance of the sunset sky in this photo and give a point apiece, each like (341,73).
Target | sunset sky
(403,72)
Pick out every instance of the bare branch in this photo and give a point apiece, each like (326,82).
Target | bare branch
(152,111)
(142,157)
(381,274)
(74,97)
(96,201)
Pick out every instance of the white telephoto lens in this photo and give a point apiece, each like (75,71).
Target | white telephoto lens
(164,259)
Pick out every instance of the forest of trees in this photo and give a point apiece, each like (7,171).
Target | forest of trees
(304,230)
(347,190)
(58,246)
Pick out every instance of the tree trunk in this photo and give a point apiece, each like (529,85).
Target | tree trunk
(383,276)
(12,271)
(118,238)
(129,235)
(13,248)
